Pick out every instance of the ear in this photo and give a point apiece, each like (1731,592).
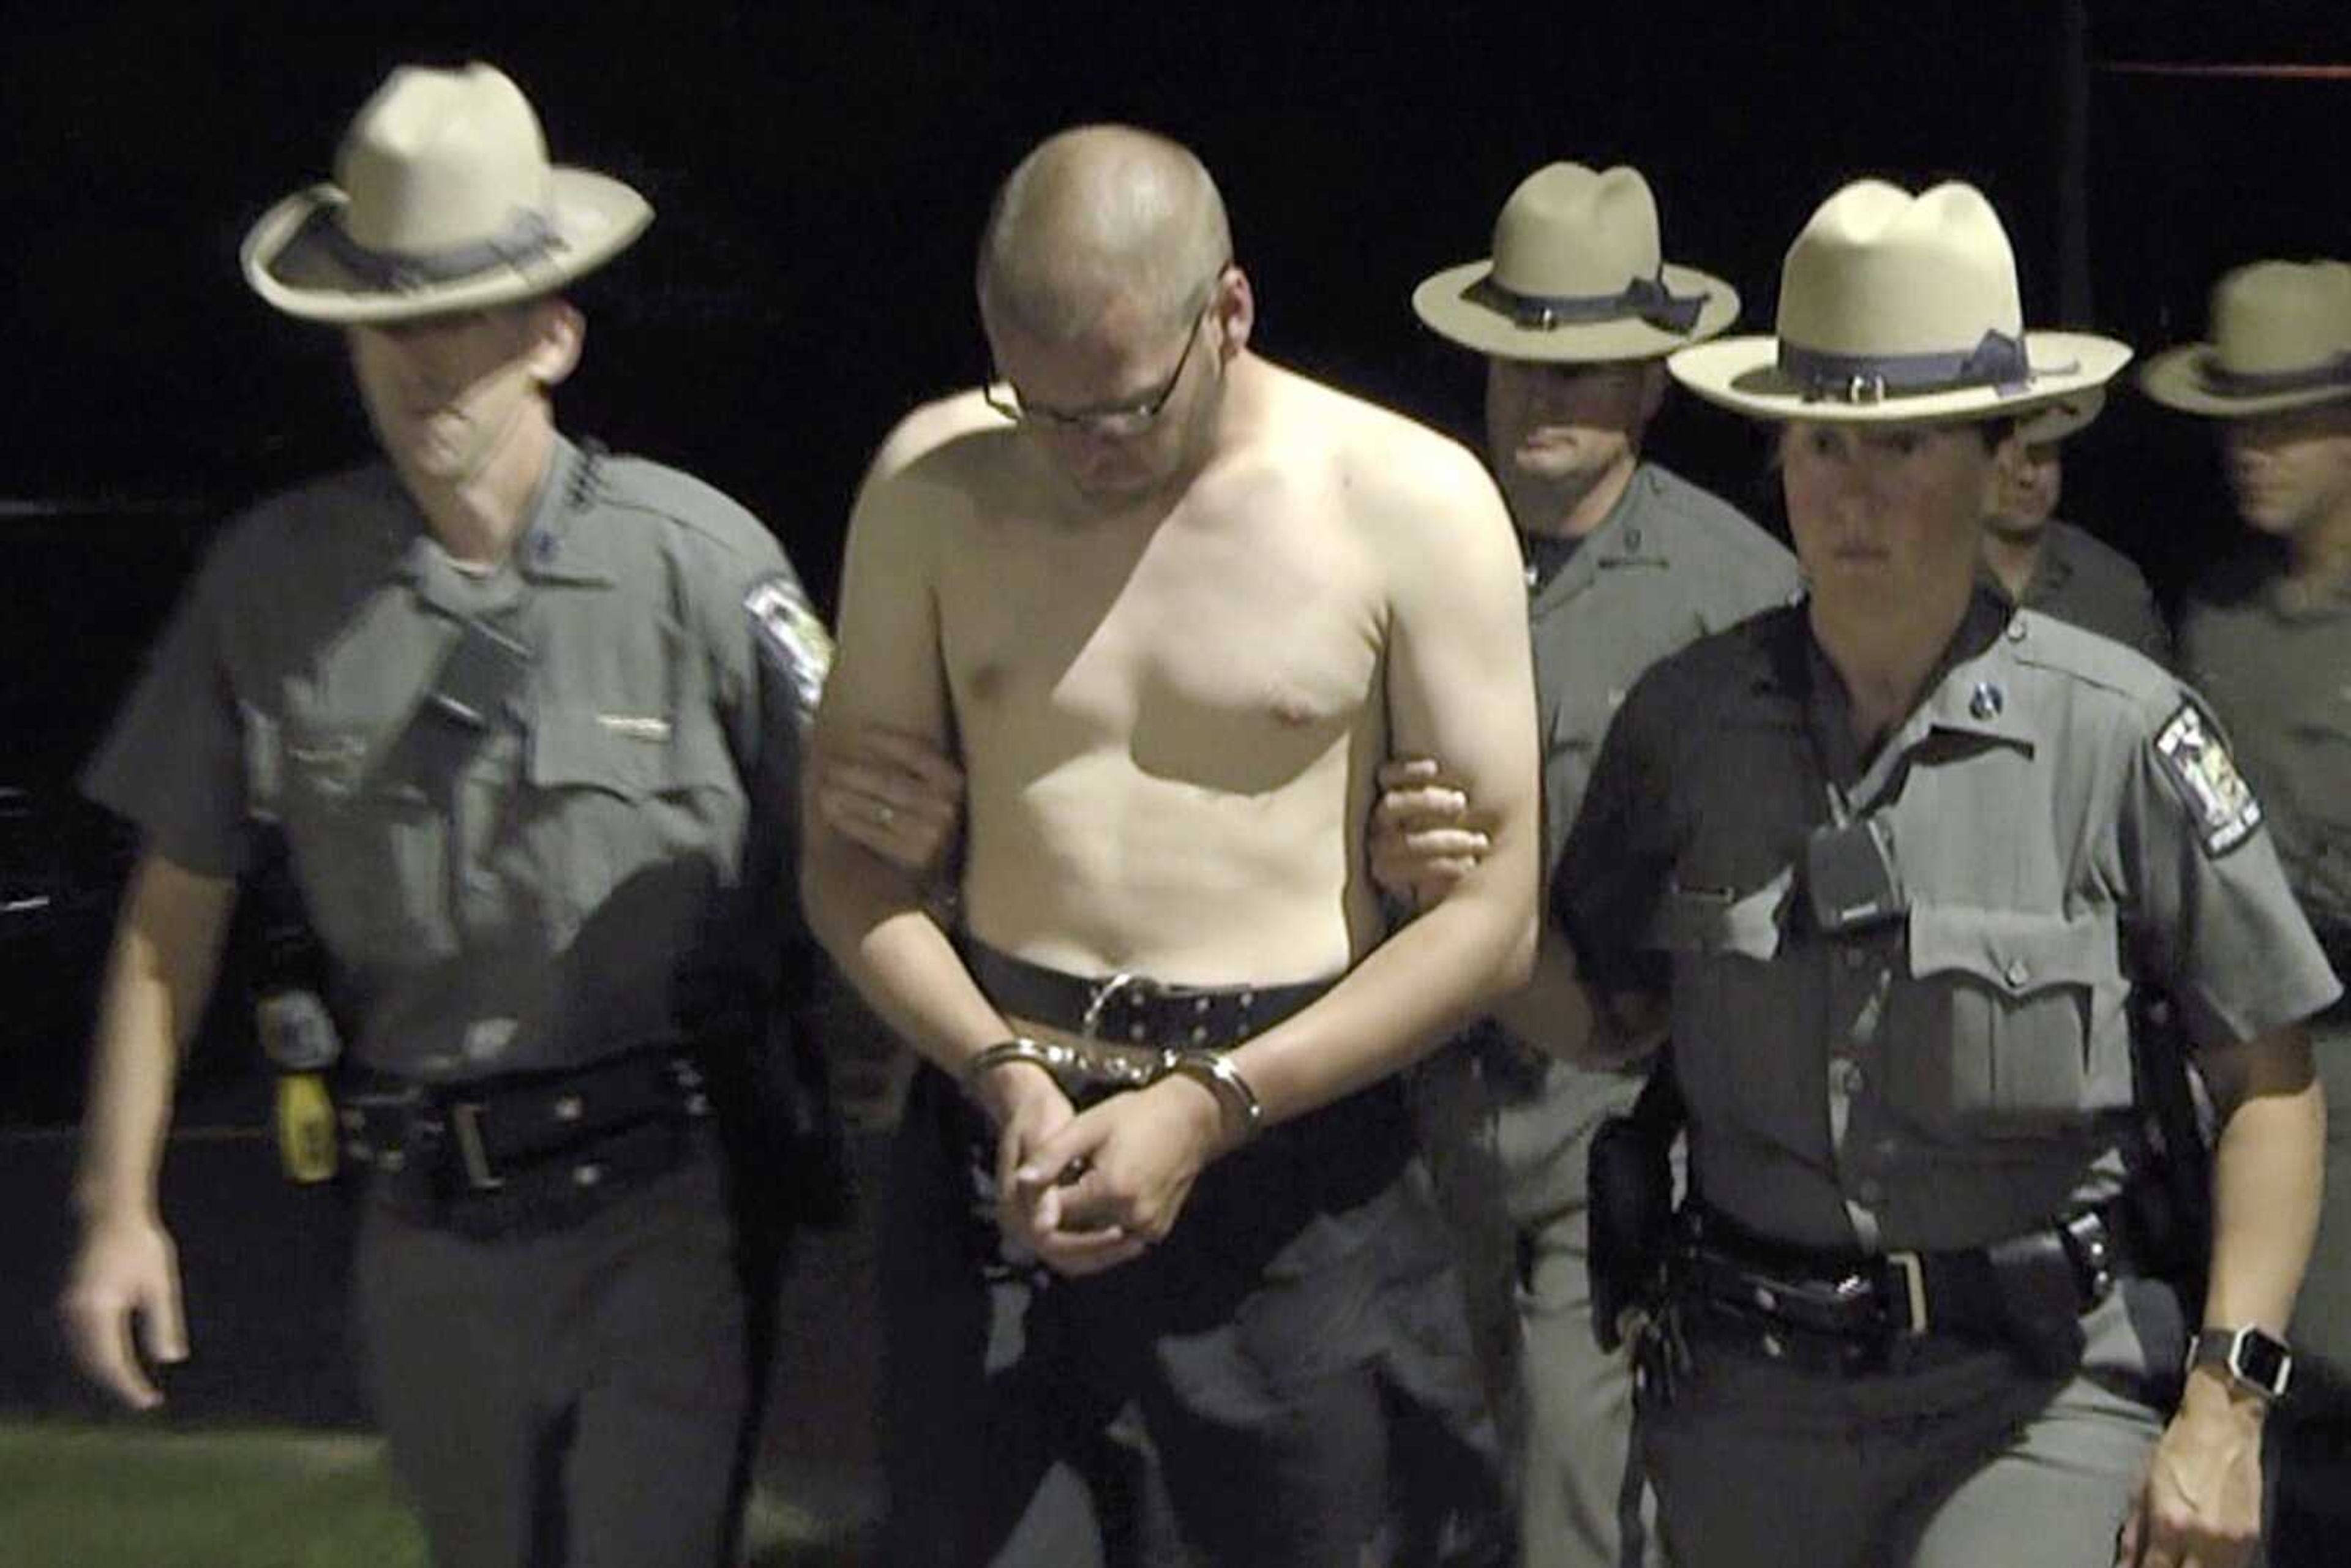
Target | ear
(1234,309)
(1653,389)
(557,332)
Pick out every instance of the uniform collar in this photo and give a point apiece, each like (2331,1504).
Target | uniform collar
(1620,541)
(550,549)
(1969,691)
(2290,600)
(560,546)
(1973,693)
(2052,567)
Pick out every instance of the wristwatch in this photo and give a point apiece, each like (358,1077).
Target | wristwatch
(2252,1358)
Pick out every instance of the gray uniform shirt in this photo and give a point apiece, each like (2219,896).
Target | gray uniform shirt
(1669,564)
(2081,579)
(2277,664)
(576,868)
(2059,811)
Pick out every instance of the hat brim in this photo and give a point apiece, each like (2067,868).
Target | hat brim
(2064,418)
(1742,374)
(595,217)
(2175,379)
(1443,302)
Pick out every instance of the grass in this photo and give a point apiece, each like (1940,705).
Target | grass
(81,1496)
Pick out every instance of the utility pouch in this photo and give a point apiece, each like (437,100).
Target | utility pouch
(2037,1285)
(1851,880)
(1629,1179)
(480,673)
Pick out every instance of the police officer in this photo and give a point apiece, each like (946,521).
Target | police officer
(2268,635)
(1626,561)
(530,717)
(1897,857)
(2058,568)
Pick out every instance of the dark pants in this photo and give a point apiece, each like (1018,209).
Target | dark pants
(2309,1437)
(580,1397)
(1296,1336)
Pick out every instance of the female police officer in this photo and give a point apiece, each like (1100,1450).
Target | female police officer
(1895,857)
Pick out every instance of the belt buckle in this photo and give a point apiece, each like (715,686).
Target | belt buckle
(1913,1272)
(1135,989)
(465,1125)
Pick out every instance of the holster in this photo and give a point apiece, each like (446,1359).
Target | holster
(2037,1285)
(1630,1182)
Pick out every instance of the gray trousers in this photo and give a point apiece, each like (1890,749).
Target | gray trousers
(1507,1166)
(1965,1459)
(579,1398)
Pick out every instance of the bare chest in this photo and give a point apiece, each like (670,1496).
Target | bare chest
(1230,654)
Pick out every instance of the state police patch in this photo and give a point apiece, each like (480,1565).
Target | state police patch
(2200,767)
(791,639)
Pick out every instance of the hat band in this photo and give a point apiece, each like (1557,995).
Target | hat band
(1999,360)
(527,238)
(1644,298)
(2219,378)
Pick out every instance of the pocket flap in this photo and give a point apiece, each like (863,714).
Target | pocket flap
(628,756)
(2014,951)
(1703,920)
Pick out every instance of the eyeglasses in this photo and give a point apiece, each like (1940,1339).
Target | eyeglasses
(1117,423)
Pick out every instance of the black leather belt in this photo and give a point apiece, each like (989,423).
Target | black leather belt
(525,1151)
(1856,1312)
(1133,1010)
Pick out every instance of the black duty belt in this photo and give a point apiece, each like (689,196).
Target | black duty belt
(1124,1009)
(1861,1311)
(525,1150)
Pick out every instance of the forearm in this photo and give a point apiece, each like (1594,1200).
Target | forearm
(158,976)
(1406,996)
(2266,1187)
(874,921)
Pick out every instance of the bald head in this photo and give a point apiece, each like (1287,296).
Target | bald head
(1099,217)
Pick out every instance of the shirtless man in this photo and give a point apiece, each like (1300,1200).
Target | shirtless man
(1167,615)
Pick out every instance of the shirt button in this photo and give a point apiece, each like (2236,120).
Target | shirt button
(2017,972)
(587,1175)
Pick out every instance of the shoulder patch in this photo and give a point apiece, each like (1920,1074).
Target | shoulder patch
(790,637)
(2200,767)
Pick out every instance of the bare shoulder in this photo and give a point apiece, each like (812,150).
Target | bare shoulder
(1398,474)
(935,470)
(934,428)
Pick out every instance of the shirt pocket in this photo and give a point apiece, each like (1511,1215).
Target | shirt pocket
(369,851)
(2012,1025)
(620,809)
(1736,1006)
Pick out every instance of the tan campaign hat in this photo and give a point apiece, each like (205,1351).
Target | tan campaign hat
(2280,340)
(1895,306)
(2067,416)
(443,200)
(1576,275)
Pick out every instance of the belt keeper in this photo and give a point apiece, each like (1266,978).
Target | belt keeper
(1214,1071)
(1020,1048)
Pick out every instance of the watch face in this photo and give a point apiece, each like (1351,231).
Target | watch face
(2258,1359)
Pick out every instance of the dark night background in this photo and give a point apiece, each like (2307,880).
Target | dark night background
(818,173)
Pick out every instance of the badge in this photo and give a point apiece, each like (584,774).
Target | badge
(790,636)
(2200,767)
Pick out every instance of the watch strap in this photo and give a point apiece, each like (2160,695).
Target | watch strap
(2253,1358)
